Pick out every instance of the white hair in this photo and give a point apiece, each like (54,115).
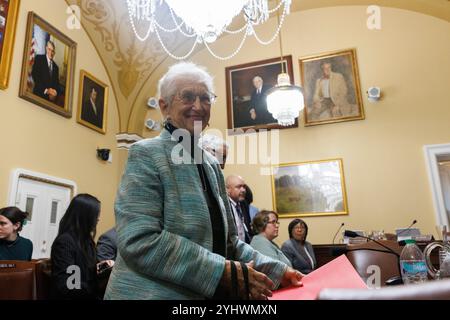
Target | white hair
(183,70)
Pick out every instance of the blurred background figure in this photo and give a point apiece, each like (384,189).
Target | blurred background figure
(73,252)
(299,251)
(247,203)
(215,146)
(265,225)
(12,245)
(236,194)
(107,245)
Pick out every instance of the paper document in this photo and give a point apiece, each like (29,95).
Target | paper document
(338,273)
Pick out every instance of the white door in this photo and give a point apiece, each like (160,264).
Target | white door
(46,204)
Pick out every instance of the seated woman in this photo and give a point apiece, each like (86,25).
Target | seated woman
(13,246)
(299,251)
(265,226)
(73,252)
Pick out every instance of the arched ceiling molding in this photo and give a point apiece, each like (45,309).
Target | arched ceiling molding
(131,65)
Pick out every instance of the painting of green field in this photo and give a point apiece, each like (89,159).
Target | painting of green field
(310,188)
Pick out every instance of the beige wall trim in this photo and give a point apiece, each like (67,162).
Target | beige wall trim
(432,152)
(125,140)
(17,174)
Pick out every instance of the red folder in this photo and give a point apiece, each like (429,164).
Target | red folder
(338,273)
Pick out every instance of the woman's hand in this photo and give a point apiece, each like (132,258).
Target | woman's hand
(259,285)
(105,264)
(292,278)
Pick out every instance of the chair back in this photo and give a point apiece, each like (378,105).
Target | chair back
(25,280)
(17,280)
(365,260)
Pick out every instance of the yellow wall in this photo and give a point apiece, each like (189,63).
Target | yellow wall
(36,139)
(385,174)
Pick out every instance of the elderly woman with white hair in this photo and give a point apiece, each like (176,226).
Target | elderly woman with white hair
(176,235)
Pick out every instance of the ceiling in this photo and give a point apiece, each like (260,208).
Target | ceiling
(131,63)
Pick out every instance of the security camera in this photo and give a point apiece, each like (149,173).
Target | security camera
(374,94)
(103,154)
(152,103)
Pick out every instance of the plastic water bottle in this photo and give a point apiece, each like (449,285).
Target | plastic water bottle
(412,263)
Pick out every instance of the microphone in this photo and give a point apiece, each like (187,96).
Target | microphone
(393,280)
(337,251)
(352,234)
(404,230)
(334,238)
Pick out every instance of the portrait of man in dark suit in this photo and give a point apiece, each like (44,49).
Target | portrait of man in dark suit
(92,102)
(247,86)
(92,111)
(258,112)
(45,74)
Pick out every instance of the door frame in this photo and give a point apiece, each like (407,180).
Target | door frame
(39,177)
(432,152)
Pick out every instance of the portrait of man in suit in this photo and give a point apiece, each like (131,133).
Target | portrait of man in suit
(92,111)
(258,112)
(92,102)
(45,74)
(331,88)
(247,87)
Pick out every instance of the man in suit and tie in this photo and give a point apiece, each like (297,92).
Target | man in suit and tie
(92,111)
(258,106)
(45,74)
(236,193)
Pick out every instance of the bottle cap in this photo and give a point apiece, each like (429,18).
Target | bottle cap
(408,241)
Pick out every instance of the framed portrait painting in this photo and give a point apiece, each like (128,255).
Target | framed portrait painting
(92,102)
(9,10)
(307,189)
(48,67)
(332,91)
(246,86)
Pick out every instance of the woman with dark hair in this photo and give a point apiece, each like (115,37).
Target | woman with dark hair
(299,251)
(265,225)
(13,246)
(73,256)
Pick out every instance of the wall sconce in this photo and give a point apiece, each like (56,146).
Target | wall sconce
(152,125)
(153,103)
(104,154)
(374,94)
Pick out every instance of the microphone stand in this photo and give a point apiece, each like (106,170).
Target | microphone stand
(334,238)
(393,280)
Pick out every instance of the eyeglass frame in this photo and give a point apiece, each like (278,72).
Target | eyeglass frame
(212,97)
(274,222)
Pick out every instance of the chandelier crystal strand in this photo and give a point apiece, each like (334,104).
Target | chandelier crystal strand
(280,24)
(141,10)
(172,55)
(216,16)
(231,55)
(179,26)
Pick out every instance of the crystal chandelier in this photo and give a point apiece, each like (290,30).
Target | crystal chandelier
(284,101)
(204,20)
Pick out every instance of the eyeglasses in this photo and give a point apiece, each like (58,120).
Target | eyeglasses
(189,97)
(274,222)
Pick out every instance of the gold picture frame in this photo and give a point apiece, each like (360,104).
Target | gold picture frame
(9,11)
(332,90)
(44,83)
(246,87)
(309,189)
(92,102)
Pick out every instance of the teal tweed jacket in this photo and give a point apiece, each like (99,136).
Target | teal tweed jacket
(164,229)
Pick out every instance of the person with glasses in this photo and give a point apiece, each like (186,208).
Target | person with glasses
(175,230)
(299,251)
(265,225)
